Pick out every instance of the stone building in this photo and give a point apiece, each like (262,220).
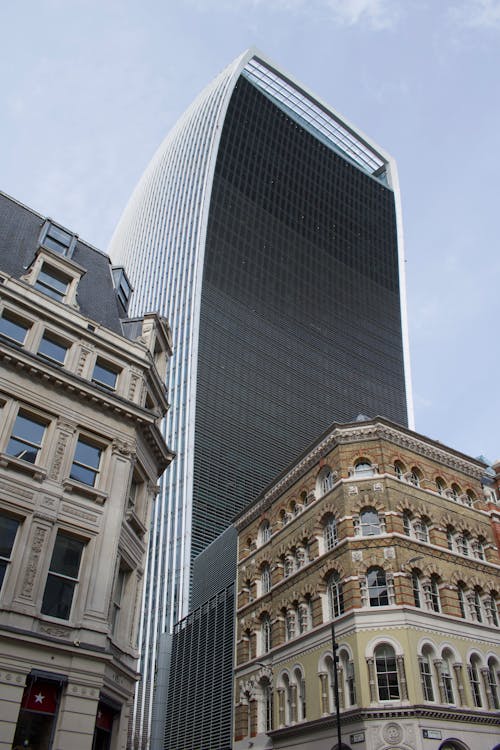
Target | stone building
(81,399)
(389,534)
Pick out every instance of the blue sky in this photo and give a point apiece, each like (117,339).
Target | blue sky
(89,89)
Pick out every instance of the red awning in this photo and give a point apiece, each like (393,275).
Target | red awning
(40,696)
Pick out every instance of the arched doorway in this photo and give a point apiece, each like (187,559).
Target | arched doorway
(453,744)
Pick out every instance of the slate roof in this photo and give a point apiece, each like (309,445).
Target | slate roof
(19,234)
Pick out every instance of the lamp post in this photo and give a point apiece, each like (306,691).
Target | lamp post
(335,648)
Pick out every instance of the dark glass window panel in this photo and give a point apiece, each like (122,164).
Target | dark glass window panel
(377,588)
(52,284)
(62,577)
(58,240)
(13,328)
(8,530)
(387,677)
(370,523)
(58,597)
(283,273)
(66,556)
(26,438)
(104,375)
(86,462)
(3,568)
(52,349)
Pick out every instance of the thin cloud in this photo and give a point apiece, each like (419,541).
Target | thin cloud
(377,14)
(478,14)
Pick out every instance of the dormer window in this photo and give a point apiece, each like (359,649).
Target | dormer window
(55,276)
(122,286)
(52,282)
(57,239)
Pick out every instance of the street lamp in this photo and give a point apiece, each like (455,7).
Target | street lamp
(335,648)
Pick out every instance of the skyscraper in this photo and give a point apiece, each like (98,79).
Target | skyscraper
(268,230)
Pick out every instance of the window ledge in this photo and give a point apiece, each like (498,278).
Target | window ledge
(136,523)
(37,472)
(98,496)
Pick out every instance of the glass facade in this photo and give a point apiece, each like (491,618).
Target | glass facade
(267,231)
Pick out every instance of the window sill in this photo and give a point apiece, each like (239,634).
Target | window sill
(39,473)
(136,523)
(98,496)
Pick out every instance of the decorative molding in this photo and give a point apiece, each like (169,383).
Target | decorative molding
(71,511)
(341,435)
(37,542)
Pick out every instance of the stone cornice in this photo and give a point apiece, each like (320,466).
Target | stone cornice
(379,429)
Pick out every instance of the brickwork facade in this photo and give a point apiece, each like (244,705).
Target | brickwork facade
(392,534)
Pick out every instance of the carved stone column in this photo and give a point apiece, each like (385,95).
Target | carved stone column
(323,681)
(400,662)
(457,668)
(485,674)
(372,679)
(438,664)
(293,704)
(340,673)
(281,707)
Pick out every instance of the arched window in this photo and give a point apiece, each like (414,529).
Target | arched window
(368,523)
(463,544)
(266,633)
(431,594)
(470,498)
(426,591)
(287,689)
(288,565)
(284,517)
(301,694)
(462,599)
(478,548)
(475,685)
(493,682)
(450,538)
(421,530)
(387,673)
(490,605)
(247,639)
(265,579)
(290,624)
(418,528)
(326,479)
(415,476)
(335,596)
(363,469)
(377,588)
(265,706)
(476,605)
(305,616)
(399,469)
(447,677)
(416,586)
(330,534)
(440,485)
(264,531)
(302,555)
(349,685)
(426,675)
(455,492)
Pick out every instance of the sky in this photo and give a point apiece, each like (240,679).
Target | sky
(89,89)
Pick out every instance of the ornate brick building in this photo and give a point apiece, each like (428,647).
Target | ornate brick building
(389,534)
(81,399)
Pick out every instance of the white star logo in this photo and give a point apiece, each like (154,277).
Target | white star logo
(39,698)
